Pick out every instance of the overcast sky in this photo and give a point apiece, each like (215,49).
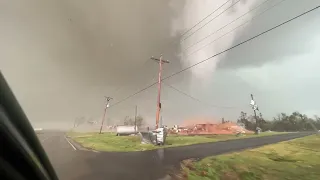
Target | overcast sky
(61,57)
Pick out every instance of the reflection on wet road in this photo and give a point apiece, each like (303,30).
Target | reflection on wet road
(73,164)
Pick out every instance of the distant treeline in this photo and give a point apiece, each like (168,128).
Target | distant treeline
(283,122)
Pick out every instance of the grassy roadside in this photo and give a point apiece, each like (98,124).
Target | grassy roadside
(293,160)
(111,142)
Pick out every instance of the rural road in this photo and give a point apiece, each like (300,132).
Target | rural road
(71,164)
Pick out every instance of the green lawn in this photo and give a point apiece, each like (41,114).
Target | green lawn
(111,142)
(297,159)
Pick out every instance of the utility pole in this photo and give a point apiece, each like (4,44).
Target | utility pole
(107,99)
(254,107)
(135,119)
(161,61)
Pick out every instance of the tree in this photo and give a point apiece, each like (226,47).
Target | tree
(251,123)
(263,124)
(317,121)
(140,121)
(131,122)
(248,122)
(243,117)
(261,119)
(293,122)
(128,121)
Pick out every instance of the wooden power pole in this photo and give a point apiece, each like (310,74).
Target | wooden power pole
(107,99)
(255,108)
(161,61)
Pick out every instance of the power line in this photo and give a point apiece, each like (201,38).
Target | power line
(243,42)
(138,92)
(209,21)
(196,99)
(226,25)
(199,22)
(254,17)
(204,18)
(131,73)
(217,54)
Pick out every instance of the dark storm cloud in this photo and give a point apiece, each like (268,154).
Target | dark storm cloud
(273,45)
(61,57)
(72,53)
(120,35)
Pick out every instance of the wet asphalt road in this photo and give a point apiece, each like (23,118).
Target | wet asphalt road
(73,164)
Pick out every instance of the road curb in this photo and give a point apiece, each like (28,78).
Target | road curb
(71,143)
(78,146)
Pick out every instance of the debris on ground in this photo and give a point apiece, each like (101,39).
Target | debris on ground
(206,127)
